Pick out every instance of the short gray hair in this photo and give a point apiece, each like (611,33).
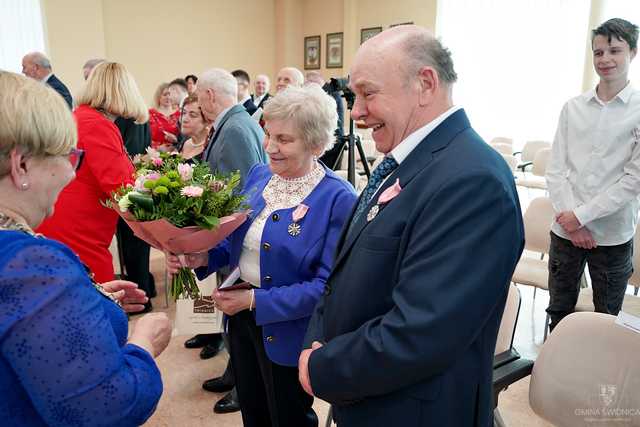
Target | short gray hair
(40,59)
(221,81)
(422,49)
(311,111)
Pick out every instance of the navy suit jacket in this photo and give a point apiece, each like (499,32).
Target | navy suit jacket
(60,87)
(412,307)
(293,268)
(236,144)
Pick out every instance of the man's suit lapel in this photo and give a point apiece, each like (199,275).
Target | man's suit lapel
(418,160)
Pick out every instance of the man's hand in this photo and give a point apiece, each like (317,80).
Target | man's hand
(127,293)
(303,367)
(582,238)
(568,221)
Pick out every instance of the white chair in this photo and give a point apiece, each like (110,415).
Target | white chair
(529,152)
(502,140)
(539,168)
(533,270)
(587,374)
(502,148)
(508,366)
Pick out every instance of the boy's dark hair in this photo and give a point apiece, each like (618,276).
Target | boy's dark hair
(621,29)
(180,82)
(242,75)
(192,77)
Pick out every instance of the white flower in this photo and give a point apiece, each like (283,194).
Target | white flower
(124,203)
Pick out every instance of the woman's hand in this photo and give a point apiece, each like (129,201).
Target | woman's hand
(127,294)
(152,332)
(169,137)
(195,260)
(232,302)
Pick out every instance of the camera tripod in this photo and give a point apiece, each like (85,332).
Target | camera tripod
(352,141)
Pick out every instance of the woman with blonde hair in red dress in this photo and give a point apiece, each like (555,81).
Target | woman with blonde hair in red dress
(79,219)
(163,119)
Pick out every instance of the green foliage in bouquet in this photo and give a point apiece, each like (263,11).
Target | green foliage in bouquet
(183,194)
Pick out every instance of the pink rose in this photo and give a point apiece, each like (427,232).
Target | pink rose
(192,191)
(157,161)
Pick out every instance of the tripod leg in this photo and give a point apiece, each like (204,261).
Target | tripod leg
(363,157)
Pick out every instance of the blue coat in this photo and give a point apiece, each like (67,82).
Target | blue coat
(64,357)
(413,304)
(293,269)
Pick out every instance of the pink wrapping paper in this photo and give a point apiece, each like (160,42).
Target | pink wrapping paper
(164,236)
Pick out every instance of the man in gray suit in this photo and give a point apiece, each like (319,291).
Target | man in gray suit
(234,143)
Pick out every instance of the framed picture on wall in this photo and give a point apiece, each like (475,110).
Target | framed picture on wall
(367,33)
(334,50)
(312,53)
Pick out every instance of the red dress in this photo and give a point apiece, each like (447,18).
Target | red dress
(79,219)
(159,123)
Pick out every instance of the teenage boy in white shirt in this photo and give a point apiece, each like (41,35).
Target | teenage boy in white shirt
(594,180)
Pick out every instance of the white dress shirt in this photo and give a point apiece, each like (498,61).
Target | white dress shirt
(594,169)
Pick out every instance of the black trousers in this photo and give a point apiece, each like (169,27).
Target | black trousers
(270,394)
(610,268)
(135,253)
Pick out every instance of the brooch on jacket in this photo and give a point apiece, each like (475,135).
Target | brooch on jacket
(294,228)
(386,196)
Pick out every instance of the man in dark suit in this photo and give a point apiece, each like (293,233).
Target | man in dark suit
(261,90)
(37,66)
(235,143)
(406,331)
(244,98)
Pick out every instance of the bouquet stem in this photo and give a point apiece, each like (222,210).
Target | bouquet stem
(184,285)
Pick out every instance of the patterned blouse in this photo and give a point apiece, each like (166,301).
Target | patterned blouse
(279,193)
(64,357)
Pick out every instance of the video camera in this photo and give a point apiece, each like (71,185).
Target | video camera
(341,85)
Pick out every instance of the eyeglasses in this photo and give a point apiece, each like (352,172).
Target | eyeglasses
(75,157)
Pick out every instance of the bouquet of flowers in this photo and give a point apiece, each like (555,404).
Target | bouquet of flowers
(180,208)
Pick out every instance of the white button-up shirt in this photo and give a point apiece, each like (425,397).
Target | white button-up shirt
(594,169)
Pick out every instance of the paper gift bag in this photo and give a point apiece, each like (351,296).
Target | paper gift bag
(199,316)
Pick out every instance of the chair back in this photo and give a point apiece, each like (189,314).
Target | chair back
(531,148)
(502,140)
(502,148)
(537,225)
(509,321)
(540,162)
(587,373)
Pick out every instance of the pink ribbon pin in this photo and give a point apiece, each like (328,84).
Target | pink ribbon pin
(300,212)
(391,192)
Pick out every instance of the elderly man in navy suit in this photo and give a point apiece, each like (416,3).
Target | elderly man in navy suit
(406,331)
(37,66)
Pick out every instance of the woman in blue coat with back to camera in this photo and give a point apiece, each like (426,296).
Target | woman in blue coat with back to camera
(285,251)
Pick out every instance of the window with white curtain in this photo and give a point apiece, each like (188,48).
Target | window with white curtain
(629,10)
(21,32)
(518,61)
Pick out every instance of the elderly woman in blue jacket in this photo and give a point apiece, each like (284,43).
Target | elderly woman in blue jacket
(285,252)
